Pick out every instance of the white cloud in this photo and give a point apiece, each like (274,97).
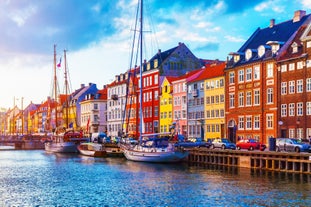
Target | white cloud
(21,16)
(306,4)
(234,39)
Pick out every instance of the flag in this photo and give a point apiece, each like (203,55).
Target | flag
(60,63)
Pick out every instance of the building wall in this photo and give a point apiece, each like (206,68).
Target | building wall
(214,96)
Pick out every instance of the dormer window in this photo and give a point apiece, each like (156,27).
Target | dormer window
(148,66)
(156,63)
(275,45)
(248,54)
(294,47)
(236,58)
(261,50)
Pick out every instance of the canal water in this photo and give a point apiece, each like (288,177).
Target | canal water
(36,178)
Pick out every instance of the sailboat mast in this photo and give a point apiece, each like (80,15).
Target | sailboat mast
(66,90)
(55,87)
(141,72)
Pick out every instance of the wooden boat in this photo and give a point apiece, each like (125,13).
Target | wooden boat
(113,150)
(92,149)
(65,143)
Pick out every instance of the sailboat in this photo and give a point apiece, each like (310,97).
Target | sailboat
(151,147)
(68,140)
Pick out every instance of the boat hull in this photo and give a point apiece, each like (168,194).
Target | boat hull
(61,147)
(93,150)
(161,157)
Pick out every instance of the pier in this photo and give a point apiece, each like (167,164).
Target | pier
(265,160)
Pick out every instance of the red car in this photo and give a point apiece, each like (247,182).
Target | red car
(250,144)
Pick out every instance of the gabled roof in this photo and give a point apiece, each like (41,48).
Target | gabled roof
(279,33)
(286,52)
(210,72)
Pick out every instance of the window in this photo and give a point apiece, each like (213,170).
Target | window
(231,77)
(256,97)
(308,108)
(291,133)
(269,121)
(299,65)
(208,98)
(283,68)
(256,72)
(241,122)
(222,98)
(308,63)
(269,95)
(248,74)
(291,87)
(156,79)
(269,70)
(291,109)
(308,44)
(291,66)
(283,110)
(241,99)
(241,75)
(308,84)
(299,86)
(217,84)
(299,109)
(231,100)
(217,99)
(256,122)
(248,122)
(208,85)
(284,88)
(221,83)
(248,98)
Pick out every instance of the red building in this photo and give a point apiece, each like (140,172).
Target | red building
(294,83)
(252,81)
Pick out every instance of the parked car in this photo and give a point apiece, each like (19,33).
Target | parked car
(291,145)
(222,143)
(250,144)
(194,142)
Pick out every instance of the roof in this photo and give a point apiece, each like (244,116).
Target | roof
(280,33)
(210,72)
(286,52)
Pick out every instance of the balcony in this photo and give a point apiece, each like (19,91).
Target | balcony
(114,97)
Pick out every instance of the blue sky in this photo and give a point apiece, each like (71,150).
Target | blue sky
(97,35)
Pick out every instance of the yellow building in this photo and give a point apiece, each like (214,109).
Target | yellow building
(166,105)
(214,107)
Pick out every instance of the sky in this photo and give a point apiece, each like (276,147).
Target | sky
(97,36)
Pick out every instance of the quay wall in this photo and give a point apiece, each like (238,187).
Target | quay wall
(263,160)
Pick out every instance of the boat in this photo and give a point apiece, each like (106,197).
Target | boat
(92,149)
(63,140)
(155,149)
(113,150)
(151,147)
(64,143)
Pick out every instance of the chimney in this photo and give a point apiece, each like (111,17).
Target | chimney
(272,23)
(298,15)
(82,85)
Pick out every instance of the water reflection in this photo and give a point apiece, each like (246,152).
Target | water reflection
(35,178)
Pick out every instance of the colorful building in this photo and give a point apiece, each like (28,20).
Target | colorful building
(252,81)
(294,80)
